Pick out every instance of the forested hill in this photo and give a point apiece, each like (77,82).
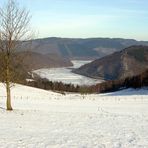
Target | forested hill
(128,62)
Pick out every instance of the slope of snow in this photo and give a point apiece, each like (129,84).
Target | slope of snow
(47,119)
(66,76)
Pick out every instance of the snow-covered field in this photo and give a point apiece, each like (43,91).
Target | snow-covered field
(44,119)
(66,76)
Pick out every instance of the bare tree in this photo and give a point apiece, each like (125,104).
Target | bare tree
(14,28)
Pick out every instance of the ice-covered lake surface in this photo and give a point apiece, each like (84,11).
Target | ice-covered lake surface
(65,74)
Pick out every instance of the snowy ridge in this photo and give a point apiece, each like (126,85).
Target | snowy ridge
(51,120)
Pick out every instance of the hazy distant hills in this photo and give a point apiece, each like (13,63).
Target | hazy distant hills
(32,60)
(81,48)
(128,62)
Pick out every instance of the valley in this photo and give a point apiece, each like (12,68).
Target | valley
(66,76)
(73,74)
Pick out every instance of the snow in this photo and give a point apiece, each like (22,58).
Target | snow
(51,120)
(29,80)
(66,76)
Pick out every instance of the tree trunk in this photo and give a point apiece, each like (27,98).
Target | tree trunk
(9,107)
(8,91)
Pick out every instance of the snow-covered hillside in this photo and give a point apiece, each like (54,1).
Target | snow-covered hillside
(66,76)
(44,119)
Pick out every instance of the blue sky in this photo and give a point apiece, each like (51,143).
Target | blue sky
(89,18)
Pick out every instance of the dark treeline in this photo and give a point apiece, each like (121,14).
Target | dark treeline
(138,81)
(55,86)
(44,83)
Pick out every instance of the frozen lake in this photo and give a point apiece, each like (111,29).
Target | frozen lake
(66,76)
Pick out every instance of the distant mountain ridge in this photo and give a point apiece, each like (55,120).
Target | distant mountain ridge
(128,62)
(32,60)
(77,48)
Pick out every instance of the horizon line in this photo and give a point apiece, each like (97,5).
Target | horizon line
(90,38)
